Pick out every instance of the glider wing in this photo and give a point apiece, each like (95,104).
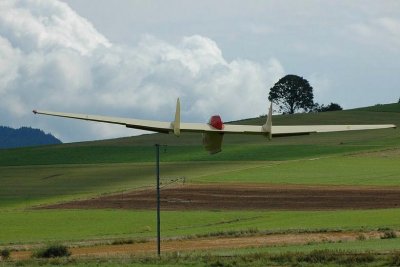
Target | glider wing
(214,130)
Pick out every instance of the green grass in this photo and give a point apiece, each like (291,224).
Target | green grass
(25,186)
(350,170)
(376,245)
(32,185)
(395,107)
(19,227)
(129,154)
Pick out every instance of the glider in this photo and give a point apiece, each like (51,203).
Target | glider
(214,130)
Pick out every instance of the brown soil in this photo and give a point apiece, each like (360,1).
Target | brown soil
(247,197)
(211,243)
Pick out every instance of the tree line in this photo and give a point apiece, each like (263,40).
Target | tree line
(25,136)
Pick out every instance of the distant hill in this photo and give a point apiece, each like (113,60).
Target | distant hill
(25,136)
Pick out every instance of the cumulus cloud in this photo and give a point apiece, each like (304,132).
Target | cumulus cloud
(51,58)
(46,25)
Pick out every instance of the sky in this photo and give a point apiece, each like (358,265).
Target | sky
(134,58)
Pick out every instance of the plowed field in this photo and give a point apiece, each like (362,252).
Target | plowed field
(247,197)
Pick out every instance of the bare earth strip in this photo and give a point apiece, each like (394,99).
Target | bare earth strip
(210,243)
(247,197)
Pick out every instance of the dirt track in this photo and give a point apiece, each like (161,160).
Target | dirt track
(248,197)
(210,243)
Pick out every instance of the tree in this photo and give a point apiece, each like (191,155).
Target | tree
(330,107)
(292,93)
(399,100)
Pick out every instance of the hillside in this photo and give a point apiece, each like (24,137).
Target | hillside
(25,136)
(188,147)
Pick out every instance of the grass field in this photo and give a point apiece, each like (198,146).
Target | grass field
(19,227)
(382,245)
(343,170)
(50,174)
(25,186)
(120,154)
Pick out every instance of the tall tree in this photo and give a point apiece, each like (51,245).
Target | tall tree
(292,93)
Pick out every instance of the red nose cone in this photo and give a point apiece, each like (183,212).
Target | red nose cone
(216,122)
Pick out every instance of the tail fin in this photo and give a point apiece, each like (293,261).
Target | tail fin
(267,127)
(176,124)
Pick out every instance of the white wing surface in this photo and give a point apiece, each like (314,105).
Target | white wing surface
(148,125)
(167,127)
(306,129)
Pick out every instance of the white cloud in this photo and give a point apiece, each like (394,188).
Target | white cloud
(56,60)
(47,25)
(9,61)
